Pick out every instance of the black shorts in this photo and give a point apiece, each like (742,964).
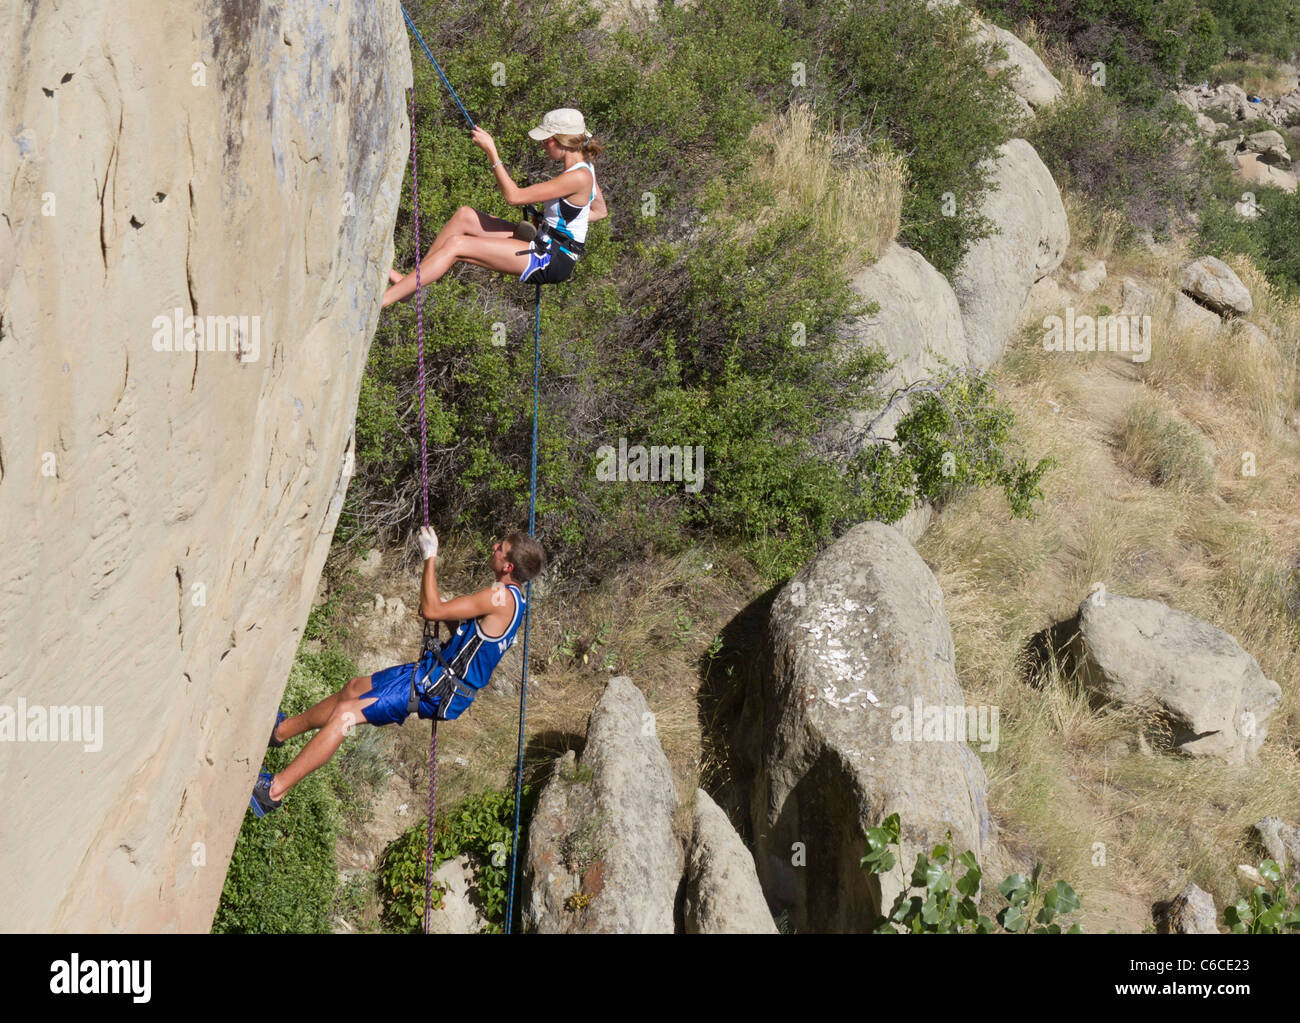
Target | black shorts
(553,270)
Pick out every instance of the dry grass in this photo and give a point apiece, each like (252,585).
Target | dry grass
(1263,77)
(1159,447)
(854,185)
(1066,777)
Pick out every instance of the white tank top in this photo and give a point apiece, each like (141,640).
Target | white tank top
(562,214)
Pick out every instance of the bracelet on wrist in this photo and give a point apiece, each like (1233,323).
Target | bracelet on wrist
(496,165)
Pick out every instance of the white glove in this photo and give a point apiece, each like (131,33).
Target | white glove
(428,542)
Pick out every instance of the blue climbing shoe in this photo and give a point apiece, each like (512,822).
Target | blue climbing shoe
(276,743)
(262,803)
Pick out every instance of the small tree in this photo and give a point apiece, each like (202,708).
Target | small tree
(936,903)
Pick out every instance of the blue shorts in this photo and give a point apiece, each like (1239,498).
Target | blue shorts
(392,686)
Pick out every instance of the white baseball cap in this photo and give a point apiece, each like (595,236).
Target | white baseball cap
(565,121)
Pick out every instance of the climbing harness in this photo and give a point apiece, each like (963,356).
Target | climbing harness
(450,683)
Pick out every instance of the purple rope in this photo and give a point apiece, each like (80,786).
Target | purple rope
(419,323)
(428,852)
(424,510)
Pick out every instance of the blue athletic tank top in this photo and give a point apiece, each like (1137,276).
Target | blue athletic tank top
(473,655)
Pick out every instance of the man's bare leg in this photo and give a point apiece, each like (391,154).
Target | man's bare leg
(315,717)
(346,715)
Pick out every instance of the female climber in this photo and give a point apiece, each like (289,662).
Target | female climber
(443,682)
(573,200)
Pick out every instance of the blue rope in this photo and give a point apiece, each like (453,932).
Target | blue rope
(532,520)
(425,47)
(528,605)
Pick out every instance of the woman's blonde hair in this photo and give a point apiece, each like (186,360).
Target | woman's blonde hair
(588,145)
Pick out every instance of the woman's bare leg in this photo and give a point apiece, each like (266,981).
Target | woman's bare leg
(466,222)
(504,255)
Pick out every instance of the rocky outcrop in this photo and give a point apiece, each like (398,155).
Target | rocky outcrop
(1197,678)
(918,324)
(602,856)
(996,273)
(458,914)
(198,202)
(839,730)
(1034,85)
(1191,911)
(1282,843)
(723,895)
(1212,282)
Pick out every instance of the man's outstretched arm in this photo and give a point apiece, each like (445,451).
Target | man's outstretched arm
(432,606)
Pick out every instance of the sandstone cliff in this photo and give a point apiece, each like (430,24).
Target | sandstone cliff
(165,510)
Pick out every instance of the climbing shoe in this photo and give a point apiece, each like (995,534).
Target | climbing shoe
(262,803)
(276,743)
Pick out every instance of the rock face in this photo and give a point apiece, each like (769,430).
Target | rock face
(1034,84)
(919,324)
(996,273)
(723,895)
(458,914)
(858,655)
(1143,654)
(1282,843)
(603,830)
(1213,282)
(167,510)
(1191,911)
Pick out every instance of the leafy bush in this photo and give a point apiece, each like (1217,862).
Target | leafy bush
(282,873)
(1269,27)
(1265,910)
(921,75)
(1141,162)
(1147,45)
(943,904)
(481,827)
(708,308)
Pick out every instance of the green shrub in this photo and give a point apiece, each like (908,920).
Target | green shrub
(944,904)
(481,827)
(1137,161)
(1265,910)
(282,873)
(679,326)
(920,75)
(1147,45)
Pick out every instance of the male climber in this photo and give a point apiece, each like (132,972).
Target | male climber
(446,680)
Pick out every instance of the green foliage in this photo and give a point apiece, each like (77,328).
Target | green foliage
(1137,161)
(282,874)
(679,327)
(1269,239)
(920,75)
(1147,45)
(1266,910)
(481,827)
(1270,27)
(937,902)
(958,438)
